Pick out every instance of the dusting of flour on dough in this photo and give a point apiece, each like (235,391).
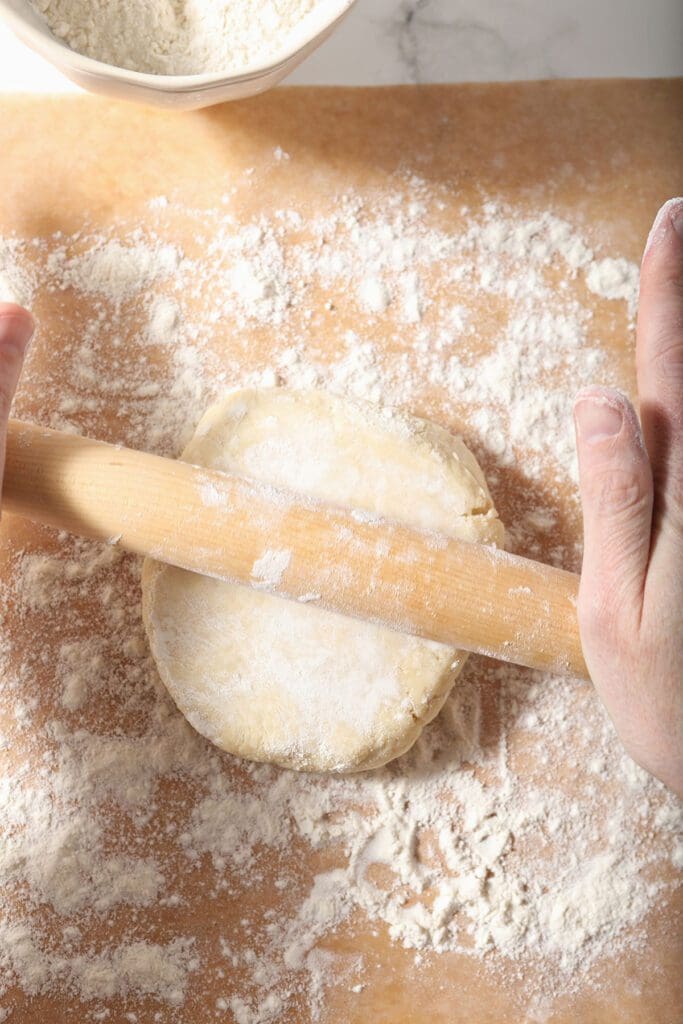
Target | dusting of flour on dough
(533,856)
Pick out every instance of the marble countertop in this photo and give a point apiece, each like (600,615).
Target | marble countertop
(392,41)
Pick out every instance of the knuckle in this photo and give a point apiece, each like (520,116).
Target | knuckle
(665,359)
(619,491)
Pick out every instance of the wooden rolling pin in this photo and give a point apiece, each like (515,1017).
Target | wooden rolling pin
(429,585)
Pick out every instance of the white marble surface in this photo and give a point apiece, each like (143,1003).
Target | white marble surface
(389,41)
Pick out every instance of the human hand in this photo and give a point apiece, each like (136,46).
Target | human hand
(631,594)
(16,330)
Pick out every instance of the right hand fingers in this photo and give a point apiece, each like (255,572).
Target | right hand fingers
(659,354)
(616,497)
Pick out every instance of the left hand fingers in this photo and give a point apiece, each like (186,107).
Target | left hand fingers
(16,330)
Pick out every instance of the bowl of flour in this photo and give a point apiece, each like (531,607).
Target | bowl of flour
(181,54)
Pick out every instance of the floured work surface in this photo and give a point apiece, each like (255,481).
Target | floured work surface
(465,253)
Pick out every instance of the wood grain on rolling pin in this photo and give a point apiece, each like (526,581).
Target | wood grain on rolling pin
(465,595)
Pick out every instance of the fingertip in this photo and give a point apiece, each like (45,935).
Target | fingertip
(614,469)
(16,327)
(600,414)
(668,223)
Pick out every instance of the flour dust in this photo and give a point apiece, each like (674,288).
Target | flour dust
(516,830)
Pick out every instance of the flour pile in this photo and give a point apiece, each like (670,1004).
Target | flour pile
(167,37)
(516,830)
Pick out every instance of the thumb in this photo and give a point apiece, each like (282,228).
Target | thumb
(16,330)
(616,495)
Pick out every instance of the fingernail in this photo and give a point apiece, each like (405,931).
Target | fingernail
(597,419)
(671,213)
(17,330)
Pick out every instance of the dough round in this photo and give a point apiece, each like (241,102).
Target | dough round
(275,680)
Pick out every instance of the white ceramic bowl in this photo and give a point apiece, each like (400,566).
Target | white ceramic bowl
(179,92)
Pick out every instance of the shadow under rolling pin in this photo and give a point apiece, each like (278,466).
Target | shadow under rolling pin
(465,595)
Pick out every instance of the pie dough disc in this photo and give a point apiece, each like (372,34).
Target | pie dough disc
(286,682)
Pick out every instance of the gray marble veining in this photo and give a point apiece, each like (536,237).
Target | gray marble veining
(386,41)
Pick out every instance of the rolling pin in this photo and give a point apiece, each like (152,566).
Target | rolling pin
(465,595)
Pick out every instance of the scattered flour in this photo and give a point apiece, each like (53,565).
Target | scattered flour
(373,295)
(614,279)
(176,37)
(114,268)
(16,281)
(486,838)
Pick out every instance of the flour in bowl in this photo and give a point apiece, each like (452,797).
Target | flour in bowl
(167,37)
